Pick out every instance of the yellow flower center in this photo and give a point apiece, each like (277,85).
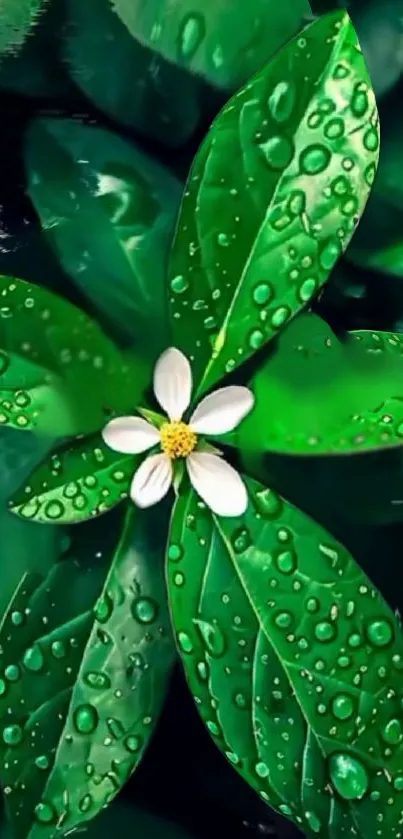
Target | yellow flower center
(177,439)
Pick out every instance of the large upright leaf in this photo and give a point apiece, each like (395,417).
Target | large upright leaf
(273,198)
(136,86)
(349,394)
(108,212)
(224,41)
(16,21)
(86,656)
(295,663)
(59,373)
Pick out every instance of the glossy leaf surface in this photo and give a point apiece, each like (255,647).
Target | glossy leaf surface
(59,373)
(136,86)
(294,661)
(108,212)
(349,395)
(16,22)
(255,241)
(82,480)
(88,649)
(224,41)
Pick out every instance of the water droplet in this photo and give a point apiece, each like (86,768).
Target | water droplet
(278,151)
(359,101)
(213,637)
(268,503)
(283,620)
(312,605)
(54,509)
(17,618)
(329,255)
(314,159)
(256,339)
(370,173)
(325,631)
(33,659)
(185,642)
(343,706)
(85,719)
(12,735)
(307,289)
(191,35)
(241,701)
(349,776)
(12,673)
(392,732)
(71,490)
(202,670)
(179,284)
(334,128)
(341,71)
(103,608)
(85,804)
(241,540)
(175,552)
(297,202)
(42,762)
(144,610)
(3,687)
(280,316)
(371,140)
(132,743)
(223,240)
(262,770)
(398,783)
(380,633)
(115,728)
(282,101)
(213,728)
(314,822)
(45,813)
(58,649)
(99,681)
(286,562)
(262,294)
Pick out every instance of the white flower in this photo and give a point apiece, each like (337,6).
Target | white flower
(217,483)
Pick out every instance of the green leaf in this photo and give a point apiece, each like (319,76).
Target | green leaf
(59,373)
(75,483)
(255,241)
(349,395)
(16,22)
(225,42)
(136,86)
(108,212)
(89,651)
(294,661)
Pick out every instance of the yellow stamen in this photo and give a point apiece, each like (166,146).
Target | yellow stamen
(177,439)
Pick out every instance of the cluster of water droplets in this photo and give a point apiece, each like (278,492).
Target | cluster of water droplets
(339,647)
(266,256)
(76,696)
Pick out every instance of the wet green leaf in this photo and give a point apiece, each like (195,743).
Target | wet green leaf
(59,373)
(349,395)
(294,661)
(136,86)
(108,212)
(82,480)
(225,42)
(88,649)
(255,241)
(16,22)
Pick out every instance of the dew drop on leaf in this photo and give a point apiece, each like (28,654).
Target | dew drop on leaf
(85,719)
(349,777)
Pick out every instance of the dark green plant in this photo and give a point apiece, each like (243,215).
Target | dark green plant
(292,656)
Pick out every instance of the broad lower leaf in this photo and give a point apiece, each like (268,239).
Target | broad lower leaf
(16,22)
(78,482)
(349,395)
(59,373)
(87,654)
(225,42)
(108,212)
(273,198)
(294,661)
(136,86)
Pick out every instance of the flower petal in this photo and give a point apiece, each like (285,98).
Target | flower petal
(222,410)
(173,383)
(217,483)
(130,435)
(152,480)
